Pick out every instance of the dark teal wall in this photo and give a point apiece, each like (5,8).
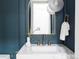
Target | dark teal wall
(1,26)
(12,25)
(23,17)
(1,34)
(70,10)
(10,17)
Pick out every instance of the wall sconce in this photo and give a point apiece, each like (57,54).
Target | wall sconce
(55,6)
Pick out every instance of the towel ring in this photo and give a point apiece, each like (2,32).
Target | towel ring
(66,18)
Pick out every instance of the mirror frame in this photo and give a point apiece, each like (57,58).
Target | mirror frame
(31,26)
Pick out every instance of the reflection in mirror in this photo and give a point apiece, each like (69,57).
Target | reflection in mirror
(40,21)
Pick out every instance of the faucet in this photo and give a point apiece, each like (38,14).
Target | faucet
(38,43)
(42,39)
(49,43)
(43,42)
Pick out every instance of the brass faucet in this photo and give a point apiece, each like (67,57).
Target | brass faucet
(49,43)
(38,43)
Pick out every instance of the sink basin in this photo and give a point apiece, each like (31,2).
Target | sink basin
(55,51)
(45,49)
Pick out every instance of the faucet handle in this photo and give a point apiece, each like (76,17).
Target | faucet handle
(49,43)
(38,43)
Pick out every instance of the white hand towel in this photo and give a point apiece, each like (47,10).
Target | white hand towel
(64,30)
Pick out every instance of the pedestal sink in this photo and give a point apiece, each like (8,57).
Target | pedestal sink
(55,51)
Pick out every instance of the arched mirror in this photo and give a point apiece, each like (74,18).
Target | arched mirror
(41,22)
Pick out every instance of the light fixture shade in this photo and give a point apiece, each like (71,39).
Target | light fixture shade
(55,5)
